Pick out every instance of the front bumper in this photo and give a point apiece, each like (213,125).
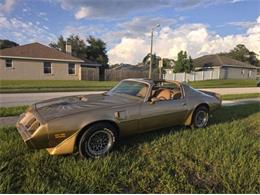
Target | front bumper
(27,125)
(25,135)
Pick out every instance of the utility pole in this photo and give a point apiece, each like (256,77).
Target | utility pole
(151,52)
(151,57)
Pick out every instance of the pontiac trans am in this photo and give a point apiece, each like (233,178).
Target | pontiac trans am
(92,124)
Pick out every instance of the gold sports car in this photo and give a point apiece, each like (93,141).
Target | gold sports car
(92,124)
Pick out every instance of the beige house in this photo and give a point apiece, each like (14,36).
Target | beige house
(38,62)
(225,67)
(214,66)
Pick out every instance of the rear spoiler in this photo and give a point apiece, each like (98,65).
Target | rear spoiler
(217,95)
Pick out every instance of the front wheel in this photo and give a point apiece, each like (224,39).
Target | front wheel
(97,140)
(200,117)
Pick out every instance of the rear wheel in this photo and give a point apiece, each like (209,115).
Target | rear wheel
(200,117)
(98,140)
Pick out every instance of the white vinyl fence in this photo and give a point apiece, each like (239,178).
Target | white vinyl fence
(193,76)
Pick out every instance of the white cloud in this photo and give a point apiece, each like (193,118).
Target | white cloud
(196,39)
(84,31)
(109,8)
(235,1)
(136,27)
(139,26)
(114,8)
(130,50)
(42,14)
(24,32)
(7,5)
(83,12)
(4,23)
(243,24)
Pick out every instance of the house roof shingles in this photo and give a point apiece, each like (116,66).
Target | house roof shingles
(219,60)
(37,51)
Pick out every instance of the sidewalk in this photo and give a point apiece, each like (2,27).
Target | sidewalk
(240,90)
(9,120)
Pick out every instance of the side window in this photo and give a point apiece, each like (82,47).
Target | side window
(47,68)
(71,68)
(8,63)
(167,91)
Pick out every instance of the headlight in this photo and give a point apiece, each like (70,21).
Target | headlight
(30,122)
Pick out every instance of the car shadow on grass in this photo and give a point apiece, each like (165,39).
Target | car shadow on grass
(223,115)
(231,113)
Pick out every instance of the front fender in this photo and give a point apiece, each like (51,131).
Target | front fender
(63,128)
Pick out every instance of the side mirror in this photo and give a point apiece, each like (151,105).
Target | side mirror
(153,100)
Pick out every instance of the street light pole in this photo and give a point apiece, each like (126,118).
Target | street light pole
(151,52)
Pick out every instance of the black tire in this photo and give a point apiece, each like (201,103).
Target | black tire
(200,117)
(98,140)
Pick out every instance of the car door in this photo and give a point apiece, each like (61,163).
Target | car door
(162,114)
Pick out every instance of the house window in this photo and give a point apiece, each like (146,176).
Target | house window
(8,63)
(47,68)
(71,68)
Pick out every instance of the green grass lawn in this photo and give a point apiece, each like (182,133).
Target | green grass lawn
(240,96)
(223,83)
(23,86)
(20,86)
(12,111)
(222,158)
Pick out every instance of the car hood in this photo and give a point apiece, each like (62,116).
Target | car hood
(58,107)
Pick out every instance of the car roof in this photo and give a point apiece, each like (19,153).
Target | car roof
(151,81)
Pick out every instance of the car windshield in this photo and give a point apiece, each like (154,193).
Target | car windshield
(131,88)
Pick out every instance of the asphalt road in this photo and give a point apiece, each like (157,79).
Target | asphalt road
(15,99)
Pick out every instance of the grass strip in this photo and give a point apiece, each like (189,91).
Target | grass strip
(12,111)
(240,96)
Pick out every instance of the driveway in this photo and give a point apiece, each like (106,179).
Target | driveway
(15,99)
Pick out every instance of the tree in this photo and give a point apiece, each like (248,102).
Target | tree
(78,46)
(4,43)
(94,50)
(155,62)
(241,53)
(168,63)
(60,45)
(183,63)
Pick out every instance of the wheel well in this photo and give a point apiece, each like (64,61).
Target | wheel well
(200,105)
(203,104)
(82,131)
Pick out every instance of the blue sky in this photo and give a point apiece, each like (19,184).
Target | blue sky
(198,26)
